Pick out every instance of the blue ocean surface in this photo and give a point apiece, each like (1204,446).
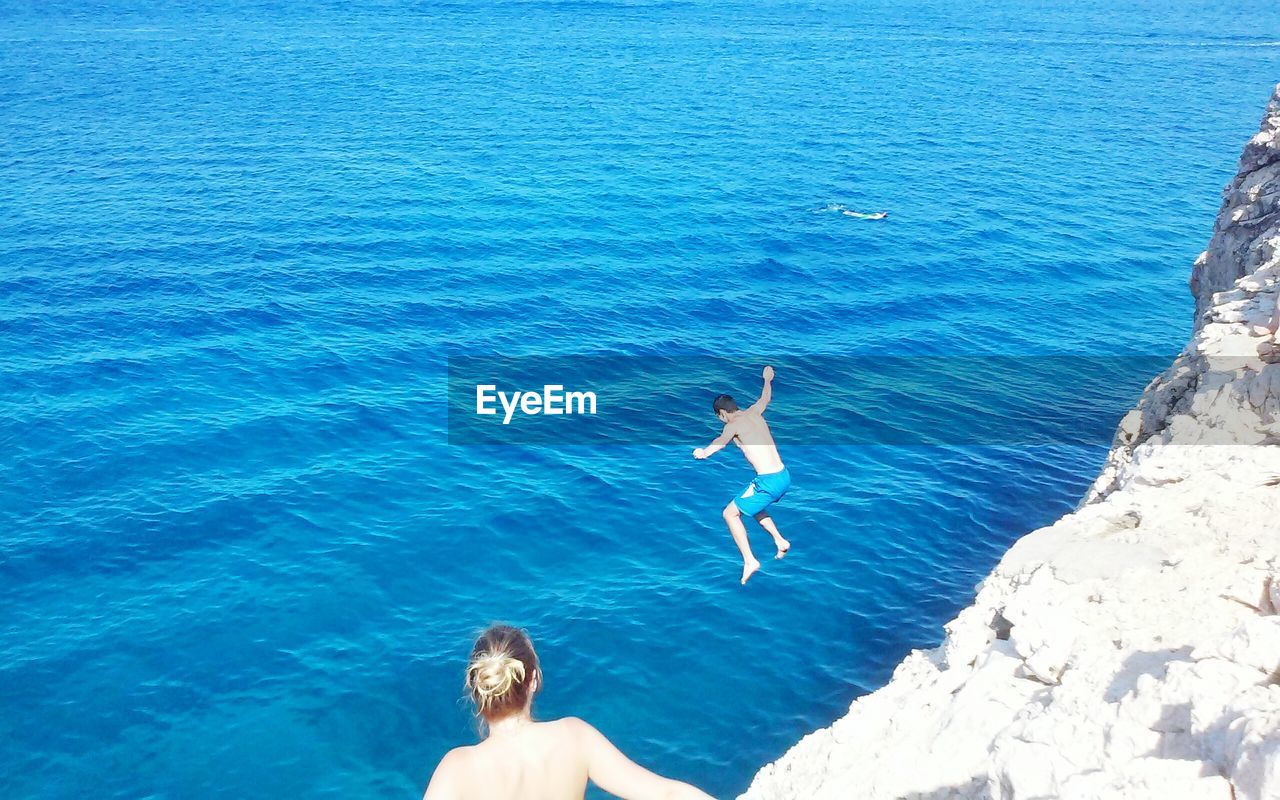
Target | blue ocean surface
(239,242)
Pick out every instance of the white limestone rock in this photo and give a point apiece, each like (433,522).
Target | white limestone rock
(1131,649)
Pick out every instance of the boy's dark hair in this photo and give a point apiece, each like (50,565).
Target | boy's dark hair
(724,403)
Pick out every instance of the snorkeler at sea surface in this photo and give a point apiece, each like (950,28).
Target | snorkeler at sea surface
(522,759)
(839,208)
(747,429)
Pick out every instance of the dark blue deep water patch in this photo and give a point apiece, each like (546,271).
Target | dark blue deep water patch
(239,556)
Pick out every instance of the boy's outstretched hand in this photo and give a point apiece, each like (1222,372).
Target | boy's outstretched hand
(699,453)
(768,373)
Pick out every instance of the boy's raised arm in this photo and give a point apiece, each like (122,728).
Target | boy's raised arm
(766,393)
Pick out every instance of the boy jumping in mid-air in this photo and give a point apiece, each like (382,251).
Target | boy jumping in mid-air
(747,429)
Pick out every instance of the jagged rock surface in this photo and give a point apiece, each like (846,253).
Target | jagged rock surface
(1132,649)
(1244,233)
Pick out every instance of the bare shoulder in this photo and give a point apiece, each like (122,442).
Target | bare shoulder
(456,759)
(578,731)
(450,774)
(572,726)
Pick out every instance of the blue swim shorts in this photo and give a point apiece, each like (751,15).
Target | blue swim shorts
(763,492)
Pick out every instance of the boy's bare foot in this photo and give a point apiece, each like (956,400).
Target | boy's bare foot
(749,569)
(783,547)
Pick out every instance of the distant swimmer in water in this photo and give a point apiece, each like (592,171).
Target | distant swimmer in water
(522,759)
(862,215)
(747,429)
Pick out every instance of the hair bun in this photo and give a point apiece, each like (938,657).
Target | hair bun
(502,672)
(491,675)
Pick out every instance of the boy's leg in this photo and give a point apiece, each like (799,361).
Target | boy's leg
(733,518)
(766,522)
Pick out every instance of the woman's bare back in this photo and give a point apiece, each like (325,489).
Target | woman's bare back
(548,761)
(537,762)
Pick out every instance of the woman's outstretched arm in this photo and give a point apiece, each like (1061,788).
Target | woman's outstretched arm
(612,771)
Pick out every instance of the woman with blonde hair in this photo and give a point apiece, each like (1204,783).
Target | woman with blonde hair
(521,759)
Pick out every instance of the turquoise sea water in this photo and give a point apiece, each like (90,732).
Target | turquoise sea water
(238,555)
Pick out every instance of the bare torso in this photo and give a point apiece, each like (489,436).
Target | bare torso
(752,435)
(527,760)
(542,761)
